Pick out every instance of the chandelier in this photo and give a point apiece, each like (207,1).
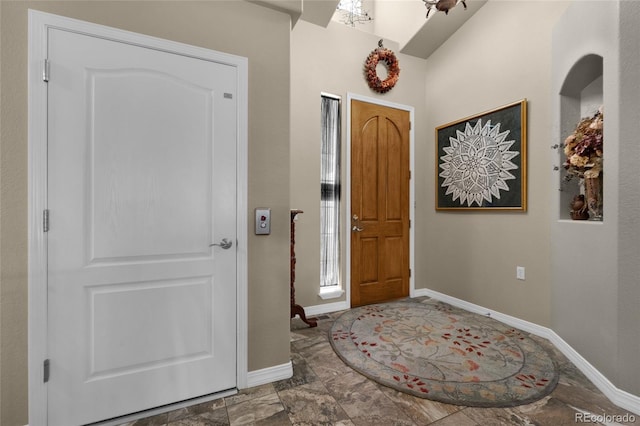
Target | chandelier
(353,13)
(442,5)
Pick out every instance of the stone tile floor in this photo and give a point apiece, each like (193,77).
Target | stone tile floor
(324,391)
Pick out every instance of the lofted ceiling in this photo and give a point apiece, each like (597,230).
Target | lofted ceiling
(400,20)
(317,12)
(438,28)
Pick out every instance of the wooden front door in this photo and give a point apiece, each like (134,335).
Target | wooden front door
(379,203)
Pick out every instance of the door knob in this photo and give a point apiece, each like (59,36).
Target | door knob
(224,244)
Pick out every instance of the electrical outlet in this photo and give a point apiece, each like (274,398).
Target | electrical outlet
(520,272)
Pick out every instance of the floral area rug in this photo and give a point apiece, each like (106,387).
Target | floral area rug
(433,350)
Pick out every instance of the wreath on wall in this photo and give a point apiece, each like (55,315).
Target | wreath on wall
(371,74)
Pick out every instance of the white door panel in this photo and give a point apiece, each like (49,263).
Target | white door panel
(170,310)
(124,173)
(142,178)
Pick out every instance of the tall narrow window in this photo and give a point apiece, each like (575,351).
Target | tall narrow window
(330,195)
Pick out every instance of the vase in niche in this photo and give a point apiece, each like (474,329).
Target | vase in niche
(583,151)
(579,210)
(593,197)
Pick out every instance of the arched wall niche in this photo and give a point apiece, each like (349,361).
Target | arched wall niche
(594,265)
(581,95)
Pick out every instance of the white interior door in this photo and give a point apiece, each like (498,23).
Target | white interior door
(141,180)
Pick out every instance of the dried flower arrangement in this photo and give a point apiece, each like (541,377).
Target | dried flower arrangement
(583,148)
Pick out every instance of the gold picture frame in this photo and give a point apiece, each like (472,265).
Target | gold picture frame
(481,161)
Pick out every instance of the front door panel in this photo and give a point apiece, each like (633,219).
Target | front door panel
(379,203)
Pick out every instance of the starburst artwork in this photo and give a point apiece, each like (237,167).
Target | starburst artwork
(481,161)
(477,163)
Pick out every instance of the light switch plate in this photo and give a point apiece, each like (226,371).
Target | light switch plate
(263,221)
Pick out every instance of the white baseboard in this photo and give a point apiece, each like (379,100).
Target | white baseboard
(477,309)
(619,397)
(269,374)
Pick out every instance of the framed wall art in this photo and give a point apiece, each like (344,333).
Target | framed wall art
(481,161)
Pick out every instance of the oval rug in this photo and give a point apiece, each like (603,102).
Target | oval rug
(432,350)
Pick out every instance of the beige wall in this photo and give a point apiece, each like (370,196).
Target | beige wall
(234,27)
(628,374)
(495,59)
(331,60)
(471,256)
(595,305)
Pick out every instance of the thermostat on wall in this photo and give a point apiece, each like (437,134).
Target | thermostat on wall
(263,221)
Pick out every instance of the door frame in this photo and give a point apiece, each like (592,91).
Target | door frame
(39,23)
(412,204)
